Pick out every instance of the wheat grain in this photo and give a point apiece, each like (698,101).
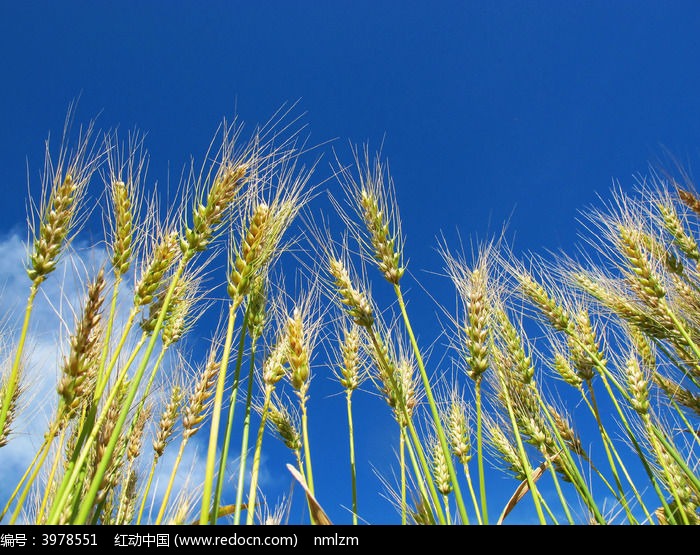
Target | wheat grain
(74,382)
(168,419)
(199,399)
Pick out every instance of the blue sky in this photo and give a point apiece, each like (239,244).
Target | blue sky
(488,112)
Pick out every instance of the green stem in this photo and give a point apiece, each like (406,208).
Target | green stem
(25,491)
(568,463)
(138,410)
(123,498)
(607,444)
(679,362)
(630,434)
(87,502)
(521,452)
(108,332)
(102,384)
(688,426)
(307,449)
(419,477)
(670,448)
(10,387)
(681,328)
(88,427)
(446,503)
(434,410)
(49,481)
(480,451)
(472,492)
(171,481)
(605,377)
(665,469)
(402,458)
(549,511)
(149,481)
(300,466)
(40,453)
(353,470)
(253,490)
(209,514)
(87,437)
(244,440)
(605,438)
(223,456)
(147,389)
(557,486)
